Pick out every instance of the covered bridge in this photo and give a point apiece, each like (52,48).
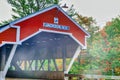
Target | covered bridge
(48,40)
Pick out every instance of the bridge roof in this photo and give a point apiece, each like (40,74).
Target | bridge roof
(52,19)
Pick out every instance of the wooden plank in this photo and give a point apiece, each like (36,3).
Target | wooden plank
(52,75)
(21,79)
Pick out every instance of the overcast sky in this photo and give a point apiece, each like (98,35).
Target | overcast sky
(101,10)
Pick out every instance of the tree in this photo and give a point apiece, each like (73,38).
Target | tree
(5,22)
(113,42)
(102,55)
(113,29)
(86,60)
(25,7)
(103,47)
(71,11)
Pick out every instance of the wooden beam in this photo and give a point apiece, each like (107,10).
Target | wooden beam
(42,66)
(10,59)
(17,67)
(36,65)
(2,76)
(64,57)
(44,75)
(25,64)
(56,67)
(42,62)
(30,64)
(64,63)
(79,56)
(19,63)
(73,59)
(49,62)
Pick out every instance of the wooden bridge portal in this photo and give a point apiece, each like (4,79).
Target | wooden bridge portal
(43,42)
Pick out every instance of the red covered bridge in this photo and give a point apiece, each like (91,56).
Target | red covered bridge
(39,42)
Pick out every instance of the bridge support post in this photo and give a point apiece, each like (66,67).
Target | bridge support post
(9,61)
(1,76)
(73,59)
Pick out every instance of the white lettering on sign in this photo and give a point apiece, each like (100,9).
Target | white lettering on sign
(62,27)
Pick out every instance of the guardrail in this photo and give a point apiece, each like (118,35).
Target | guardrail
(101,76)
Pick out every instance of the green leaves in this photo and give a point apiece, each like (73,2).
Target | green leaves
(114,29)
(5,22)
(113,38)
(25,7)
(103,50)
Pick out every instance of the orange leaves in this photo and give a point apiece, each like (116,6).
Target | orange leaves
(107,69)
(108,23)
(103,33)
(106,49)
(82,61)
(117,69)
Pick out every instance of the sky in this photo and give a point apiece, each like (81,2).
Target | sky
(101,10)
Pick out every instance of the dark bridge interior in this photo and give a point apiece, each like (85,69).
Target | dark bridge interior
(46,45)
(43,52)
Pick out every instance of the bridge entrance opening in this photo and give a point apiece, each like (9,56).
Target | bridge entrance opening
(43,52)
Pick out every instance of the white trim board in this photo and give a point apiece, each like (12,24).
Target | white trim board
(9,59)
(73,59)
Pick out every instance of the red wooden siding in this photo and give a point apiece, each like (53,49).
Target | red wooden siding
(8,35)
(33,24)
